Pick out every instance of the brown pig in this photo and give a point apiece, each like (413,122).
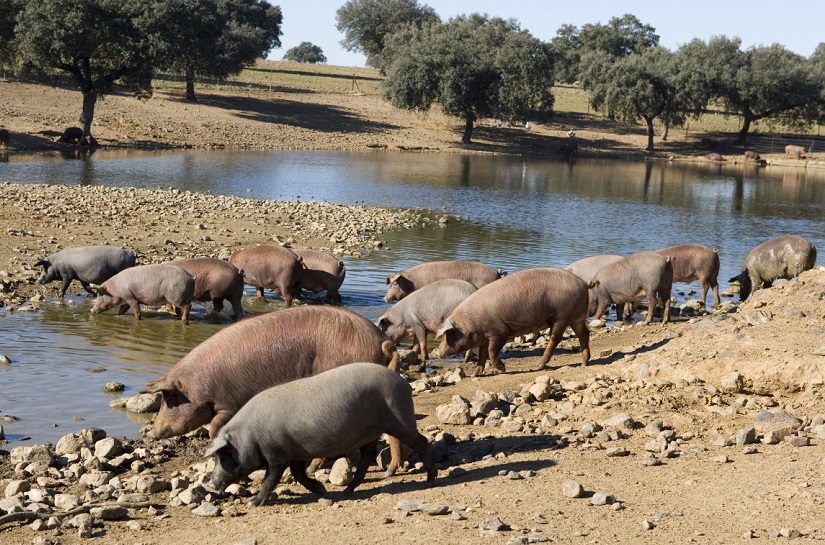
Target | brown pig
(270,267)
(215,280)
(407,281)
(645,274)
(781,257)
(149,285)
(695,262)
(424,310)
(524,302)
(587,268)
(321,272)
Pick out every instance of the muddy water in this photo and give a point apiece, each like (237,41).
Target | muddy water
(515,212)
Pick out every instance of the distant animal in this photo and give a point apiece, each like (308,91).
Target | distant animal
(715,157)
(88,264)
(752,156)
(568,149)
(329,414)
(709,144)
(72,135)
(407,281)
(4,138)
(794,151)
(781,257)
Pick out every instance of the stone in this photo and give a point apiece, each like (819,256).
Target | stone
(732,383)
(69,444)
(492,524)
(572,489)
(797,440)
(92,435)
(114,387)
(774,436)
(341,472)
(109,512)
(17,487)
(614,452)
(144,403)
(206,509)
(150,484)
(746,436)
(28,455)
(193,495)
(409,505)
(66,502)
(107,448)
(619,421)
(454,413)
(483,403)
(84,523)
(433,509)
(602,498)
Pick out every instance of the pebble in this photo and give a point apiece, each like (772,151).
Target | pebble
(492,524)
(109,512)
(114,387)
(602,498)
(206,509)
(572,489)
(648,525)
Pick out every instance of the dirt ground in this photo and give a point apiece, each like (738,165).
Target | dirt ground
(694,484)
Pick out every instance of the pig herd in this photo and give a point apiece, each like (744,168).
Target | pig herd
(289,388)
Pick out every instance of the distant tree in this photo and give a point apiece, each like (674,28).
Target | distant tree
(472,66)
(95,42)
(306,52)
(367,24)
(636,86)
(9,9)
(620,37)
(817,66)
(210,38)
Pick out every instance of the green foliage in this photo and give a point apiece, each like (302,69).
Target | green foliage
(9,9)
(367,24)
(306,52)
(473,66)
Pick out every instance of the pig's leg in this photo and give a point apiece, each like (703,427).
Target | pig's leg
(583,333)
(217,304)
(218,421)
(619,312)
(299,471)
(494,352)
(468,356)
(396,456)
(703,286)
(259,292)
(274,471)
(421,339)
(314,465)
(237,309)
(652,301)
(368,452)
(418,443)
(716,300)
(666,301)
(556,335)
(482,359)
(65,285)
(135,306)
(185,313)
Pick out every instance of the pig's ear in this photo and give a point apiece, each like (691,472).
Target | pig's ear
(501,273)
(220,442)
(393,278)
(42,262)
(593,284)
(163,385)
(97,289)
(383,323)
(445,327)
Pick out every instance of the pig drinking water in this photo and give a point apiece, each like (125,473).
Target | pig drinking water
(780,257)
(215,280)
(424,310)
(270,267)
(88,264)
(645,274)
(407,281)
(524,302)
(321,272)
(695,262)
(154,285)
(332,413)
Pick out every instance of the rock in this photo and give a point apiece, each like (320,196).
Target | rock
(647,525)
(114,387)
(193,495)
(602,498)
(206,509)
(92,435)
(766,420)
(144,403)
(66,502)
(619,421)
(541,391)
(108,448)
(28,455)
(756,317)
(69,444)
(454,413)
(17,487)
(247,541)
(745,436)
(732,383)
(483,403)
(84,524)
(492,524)
(341,473)
(614,452)
(409,505)
(149,484)
(572,489)
(774,436)
(797,440)
(109,512)
(433,509)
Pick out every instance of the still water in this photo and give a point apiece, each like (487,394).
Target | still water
(515,212)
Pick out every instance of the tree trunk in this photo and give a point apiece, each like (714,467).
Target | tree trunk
(190,84)
(665,129)
(746,125)
(468,129)
(649,121)
(87,116)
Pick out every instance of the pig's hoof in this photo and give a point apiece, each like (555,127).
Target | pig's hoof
(541,367)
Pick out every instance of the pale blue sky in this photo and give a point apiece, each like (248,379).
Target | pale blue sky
(798,25)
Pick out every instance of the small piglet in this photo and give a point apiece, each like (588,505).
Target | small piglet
(321,272)
(781,257)
(88,264)
(424,310)
(326,415)
(695,262)
(154,285)
(270,267)
(407,281)
(524,302)
(215,280)
(645,274)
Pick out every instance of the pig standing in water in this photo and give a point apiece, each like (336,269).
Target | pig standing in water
(781,257)
(424,310)
(407,281)
(321,272)
(325,415)
(215,280)
(693,261)
(88,264)
(523,302)
(645,274)
(154,285)
(270,267)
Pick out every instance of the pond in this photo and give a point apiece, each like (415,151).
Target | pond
(515,212)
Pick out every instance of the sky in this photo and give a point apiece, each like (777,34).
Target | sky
(756,22)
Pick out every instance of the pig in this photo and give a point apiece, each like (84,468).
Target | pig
(72,135)
(524,302)
(407,281)
(215,280)
(695,262)
(321,272)
(715,157)
(647,274)
(270,267)
(587,268)
(424,310)
(751,155)
(332,413)
(794,151)
(4,138)
(149,285)
(781,257)
(88,264)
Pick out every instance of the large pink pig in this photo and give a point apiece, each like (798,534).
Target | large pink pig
(270,267)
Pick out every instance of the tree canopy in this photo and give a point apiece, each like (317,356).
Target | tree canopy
(367,24)
(472,66)
(306,52)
